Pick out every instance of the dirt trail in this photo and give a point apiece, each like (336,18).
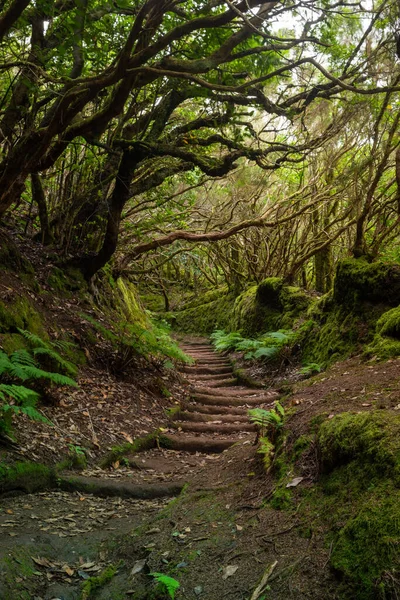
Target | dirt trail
(48,540)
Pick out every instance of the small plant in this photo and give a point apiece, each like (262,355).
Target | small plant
(310,369)
(166,583)
(269,423)
(267,419)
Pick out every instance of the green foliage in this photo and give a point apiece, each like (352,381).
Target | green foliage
(269,423)
(267,419)
(168,584)
(20,372)
(133,340)
(46,351)
(310,369)
(265,347)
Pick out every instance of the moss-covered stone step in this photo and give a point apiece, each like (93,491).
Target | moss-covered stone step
(119,488)
(214,427)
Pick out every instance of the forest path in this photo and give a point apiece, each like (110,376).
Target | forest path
(52,542)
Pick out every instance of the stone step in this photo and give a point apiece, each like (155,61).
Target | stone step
(210,409)
(221,383)
(206,370)
(225,401)
(236,392)
(192,444)
(211,417)
(214,427)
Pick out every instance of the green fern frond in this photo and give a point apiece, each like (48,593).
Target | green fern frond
(169,583)
(23,358)
(33,339)
(30,411)
(57,358)
(19,393)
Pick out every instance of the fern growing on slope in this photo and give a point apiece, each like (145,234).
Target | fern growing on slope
(47,351)
(19,372)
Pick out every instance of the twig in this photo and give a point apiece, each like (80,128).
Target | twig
(260,588)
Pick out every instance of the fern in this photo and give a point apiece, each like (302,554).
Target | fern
(267,418)
(29,411)
(41,348)
(168,583)
(22,367)
(266,347)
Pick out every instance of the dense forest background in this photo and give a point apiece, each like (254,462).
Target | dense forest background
(199,143)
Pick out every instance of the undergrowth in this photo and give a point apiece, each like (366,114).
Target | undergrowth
(25,376)
(132,340)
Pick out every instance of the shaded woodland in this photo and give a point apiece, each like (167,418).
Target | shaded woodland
(199,299)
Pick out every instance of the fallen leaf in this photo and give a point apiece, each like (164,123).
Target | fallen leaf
(42,562)
(68,570)
(295,482)
(138,566)
(229,571)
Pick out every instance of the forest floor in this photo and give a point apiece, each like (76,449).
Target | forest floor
(232,522)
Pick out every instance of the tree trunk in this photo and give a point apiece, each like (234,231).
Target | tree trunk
(90,265)
(39,197)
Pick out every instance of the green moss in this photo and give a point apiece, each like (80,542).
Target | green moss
(372,438)
(206,316)
(281,499)
(358,501)
(94,583)
(20,314)
(138,445)
(386,342)
(301,445)
(133,309)
(358,281)
(270,306)
(27,476)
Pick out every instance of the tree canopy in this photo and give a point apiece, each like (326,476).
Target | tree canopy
(273,125)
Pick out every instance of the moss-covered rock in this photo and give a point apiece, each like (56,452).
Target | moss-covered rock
(372,438)
(358,281)
(359,498)
(212,311)
(386,342)
(355,311)
(270,306)
(20,313)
